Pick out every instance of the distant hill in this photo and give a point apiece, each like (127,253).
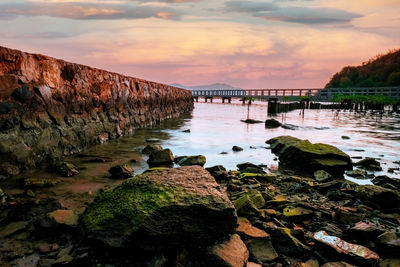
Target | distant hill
(383,70)
(214,86)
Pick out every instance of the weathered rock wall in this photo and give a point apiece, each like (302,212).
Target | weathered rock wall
(50,108)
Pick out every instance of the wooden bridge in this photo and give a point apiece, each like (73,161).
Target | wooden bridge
(316,94)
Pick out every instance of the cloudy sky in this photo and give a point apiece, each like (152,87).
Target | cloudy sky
(249,44)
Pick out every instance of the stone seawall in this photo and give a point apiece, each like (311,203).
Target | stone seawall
(50,108)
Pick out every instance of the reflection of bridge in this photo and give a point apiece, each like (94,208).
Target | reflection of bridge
(293,94)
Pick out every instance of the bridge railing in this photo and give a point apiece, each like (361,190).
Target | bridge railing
(221,93)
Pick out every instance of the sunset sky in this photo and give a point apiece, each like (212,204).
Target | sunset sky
(248,44)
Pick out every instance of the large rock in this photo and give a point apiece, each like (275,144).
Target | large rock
(175,207)
(304,157)
(162,157)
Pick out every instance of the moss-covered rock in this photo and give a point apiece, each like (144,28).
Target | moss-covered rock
(40,182)
(193,160)
(174,207)
(249,204)
(304,157)
(150,148)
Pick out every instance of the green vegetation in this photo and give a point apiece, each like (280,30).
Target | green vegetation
(383,70)
(367,99)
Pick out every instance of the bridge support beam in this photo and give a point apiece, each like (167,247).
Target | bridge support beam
(226,98)
(196,98)
(209,97)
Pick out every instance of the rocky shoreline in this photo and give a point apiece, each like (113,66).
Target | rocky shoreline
(299,215)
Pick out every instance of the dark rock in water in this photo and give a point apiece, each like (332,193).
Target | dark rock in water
(231,253)
(193,160)
(338,248)
(217,171)
(386,182)
(151,148)
(289,126)
(251,121)
(322,176)
(121,171)
(344,137)
(65,169)
(161,158)
(177,207)
(304,157)
(237,148)
(272,123)
(223,153)
(369,164)
(242,166)
(252,170)
(357,173)
(186,131)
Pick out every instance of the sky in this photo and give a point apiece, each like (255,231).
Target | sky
(247,44)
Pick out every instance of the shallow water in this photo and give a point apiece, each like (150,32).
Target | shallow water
(216,127)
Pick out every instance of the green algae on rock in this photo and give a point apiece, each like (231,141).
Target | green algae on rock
(162,209)
(304,157)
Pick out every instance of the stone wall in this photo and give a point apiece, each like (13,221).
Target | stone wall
(50,108)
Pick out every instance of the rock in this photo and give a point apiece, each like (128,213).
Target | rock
(223,153)
(253,264)
(251,121)
(356,253)
(322,176)
(40,182)
(176,207)
(369,164)
(272,123)
(251,170)
(286,243)
(218,172)
(390,240)
(357,173)
(199,160)
(150,148)
(231,253)
(28,261)
(65,169)
(345,137)
(363,231)
(161,158)
(121,171)
(237,148)
(156,169)
(376,195)
(389,263)
(257,242)
(338,264)
(289,126)
(12,228)
(246,165)
(249,204)
(297,214)
(306,158)
(186,131)
(386,182)
(66,217)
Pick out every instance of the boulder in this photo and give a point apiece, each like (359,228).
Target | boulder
(245,165)
(357,173)
(121,171)
(249,204)
(386,182)
(193,160)
(65,217)
(150,148)
(369,164)
(379,196)
(304,157)
(289,126)
(218,171)
(161,158)
(272,123)
(176,207)
(231,253)
(251,121)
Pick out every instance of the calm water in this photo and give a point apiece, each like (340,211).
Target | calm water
(216,127)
